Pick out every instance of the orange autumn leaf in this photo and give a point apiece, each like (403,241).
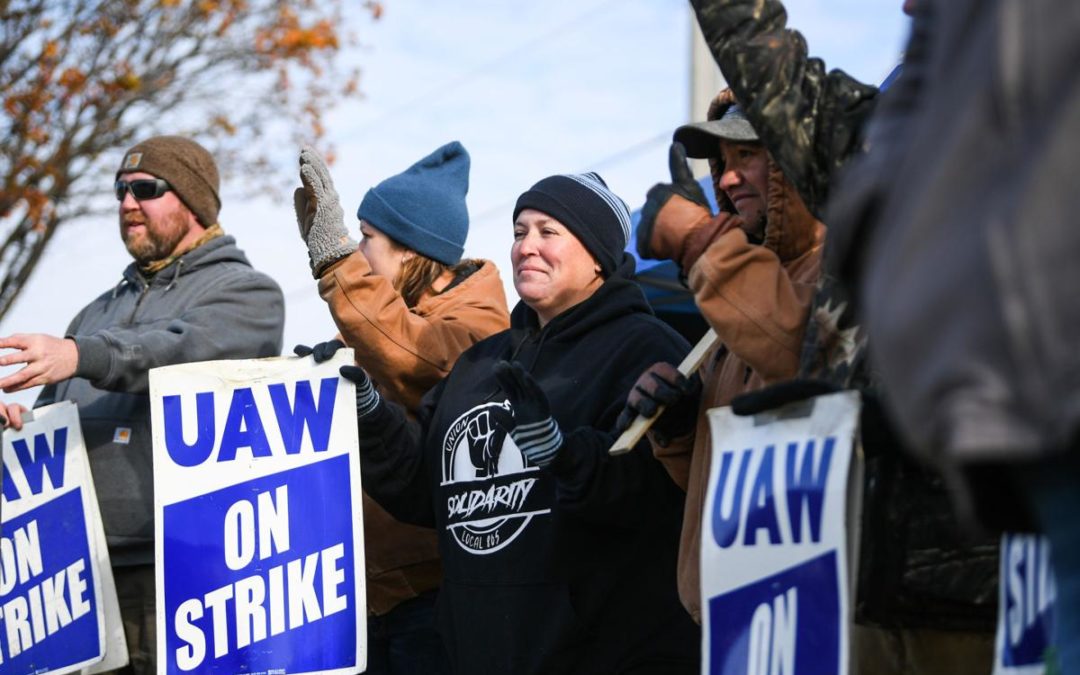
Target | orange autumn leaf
(81,84)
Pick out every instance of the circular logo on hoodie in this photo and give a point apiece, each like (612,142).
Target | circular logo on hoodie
(488,482)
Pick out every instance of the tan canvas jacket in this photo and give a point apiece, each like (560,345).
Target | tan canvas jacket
(406,352)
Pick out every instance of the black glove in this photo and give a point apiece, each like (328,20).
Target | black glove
(323,351)
(367,399)
(682,184)
(535,432)
(663,385)
(780,394)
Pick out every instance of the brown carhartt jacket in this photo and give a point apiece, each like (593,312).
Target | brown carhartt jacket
(406,351)
(757,299)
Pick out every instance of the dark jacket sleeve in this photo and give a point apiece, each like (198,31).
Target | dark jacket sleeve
(866,180)
(238,316)
(810,119)
(600,488)
(393,468)
(620,490)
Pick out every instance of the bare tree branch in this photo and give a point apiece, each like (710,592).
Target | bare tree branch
(80,80)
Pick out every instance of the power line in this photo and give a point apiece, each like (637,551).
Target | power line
(629,152)
(471,74)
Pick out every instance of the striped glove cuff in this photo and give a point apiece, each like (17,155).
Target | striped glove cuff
(367,399)
(538,441)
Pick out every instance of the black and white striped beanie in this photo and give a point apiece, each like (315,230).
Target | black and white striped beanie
(584,204)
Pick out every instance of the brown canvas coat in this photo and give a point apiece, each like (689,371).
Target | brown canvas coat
(917,569)
(757,298)
(406,351)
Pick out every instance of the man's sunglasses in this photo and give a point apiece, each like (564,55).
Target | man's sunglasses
(144,188)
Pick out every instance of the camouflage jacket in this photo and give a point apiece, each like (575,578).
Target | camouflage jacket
(812,122)
(810,119)
(914,572)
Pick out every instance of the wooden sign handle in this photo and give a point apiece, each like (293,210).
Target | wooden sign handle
(640,425)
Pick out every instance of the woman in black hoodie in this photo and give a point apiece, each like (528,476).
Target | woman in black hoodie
(557,557)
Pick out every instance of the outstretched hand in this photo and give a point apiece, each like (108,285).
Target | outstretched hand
(48,359)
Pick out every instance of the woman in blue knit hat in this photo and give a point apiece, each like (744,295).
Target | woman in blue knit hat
(408,305)
(557,558)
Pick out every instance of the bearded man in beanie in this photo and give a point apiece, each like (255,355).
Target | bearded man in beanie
(189,295)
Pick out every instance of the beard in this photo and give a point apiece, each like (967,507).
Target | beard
(159,239)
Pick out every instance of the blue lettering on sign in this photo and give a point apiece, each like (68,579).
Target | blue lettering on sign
(782,624)
(1027,592)
(259,576)
(807,488)
(48,612)
(199,451)
(244,426)
(761,513)
(45,459)
(726,527)
(304,413)
(773,632)
(805,493)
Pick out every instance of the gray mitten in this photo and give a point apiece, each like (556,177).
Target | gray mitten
(319,215)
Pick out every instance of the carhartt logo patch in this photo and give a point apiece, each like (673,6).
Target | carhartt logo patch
(132,161)
(122,435)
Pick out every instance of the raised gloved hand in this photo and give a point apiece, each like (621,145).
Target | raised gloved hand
(367,399)
(663,385)
(535,431)
(676,222)
(319,215)
(323,351)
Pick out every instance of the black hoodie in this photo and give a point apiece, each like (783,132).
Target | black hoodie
(568,569)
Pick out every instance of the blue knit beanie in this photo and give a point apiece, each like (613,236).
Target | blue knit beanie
(423,207)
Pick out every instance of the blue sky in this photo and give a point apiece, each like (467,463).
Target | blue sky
(531,89)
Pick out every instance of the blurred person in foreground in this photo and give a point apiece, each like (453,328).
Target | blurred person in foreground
(977,275)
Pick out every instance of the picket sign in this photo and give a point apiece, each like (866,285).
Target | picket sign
(258,518)
(778,530)
(58,608)
(1026,595)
